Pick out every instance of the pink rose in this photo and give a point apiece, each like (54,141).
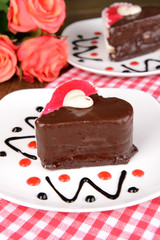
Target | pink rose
(19,20)
(8,59)
(27,15)
(42,58)
(48,15)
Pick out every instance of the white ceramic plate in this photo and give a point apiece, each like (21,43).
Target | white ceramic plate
(88,52)
(18,112)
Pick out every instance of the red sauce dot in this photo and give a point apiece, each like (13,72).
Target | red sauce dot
(104,175)
(64,178)
(33,181)
(138,173)
(94,42)
(109,68)
(97,33)
(134,63)
(32,144)
(94,54)
(25,162)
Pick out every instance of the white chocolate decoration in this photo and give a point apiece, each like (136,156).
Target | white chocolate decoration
(76,98)
(128,10)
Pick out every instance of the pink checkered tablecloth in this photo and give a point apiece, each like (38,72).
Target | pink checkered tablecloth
(136,222)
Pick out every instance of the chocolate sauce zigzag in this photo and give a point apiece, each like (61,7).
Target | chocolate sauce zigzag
(146,63)
(90,182)
(27,120)
(87,48)
(8,140)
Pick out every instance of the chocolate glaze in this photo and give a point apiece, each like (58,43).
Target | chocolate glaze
(96,136)
(135,35)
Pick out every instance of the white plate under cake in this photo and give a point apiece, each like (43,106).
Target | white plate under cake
(24,181)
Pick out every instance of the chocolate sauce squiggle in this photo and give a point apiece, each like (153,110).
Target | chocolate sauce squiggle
(8,140)
(146,63)
(87,180)
(27,121)
(87,48)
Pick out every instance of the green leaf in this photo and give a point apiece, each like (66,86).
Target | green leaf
(5,1)
(4,26)
(30,35)
(4,22)
(3,7)
(3,15)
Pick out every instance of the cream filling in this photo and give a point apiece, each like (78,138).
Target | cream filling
(127,10)
(110,49)
(76,98)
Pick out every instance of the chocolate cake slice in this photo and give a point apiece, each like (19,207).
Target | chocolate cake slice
(133,34)
(99,135)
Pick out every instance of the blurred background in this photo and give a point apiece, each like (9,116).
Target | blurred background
(85,9)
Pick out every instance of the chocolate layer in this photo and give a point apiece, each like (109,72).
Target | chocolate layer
(99,135)
(135,35)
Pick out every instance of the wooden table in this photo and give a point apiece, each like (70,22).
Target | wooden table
(76,10)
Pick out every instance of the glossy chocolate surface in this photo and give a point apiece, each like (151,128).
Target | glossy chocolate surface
(100,135)
(135,35)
